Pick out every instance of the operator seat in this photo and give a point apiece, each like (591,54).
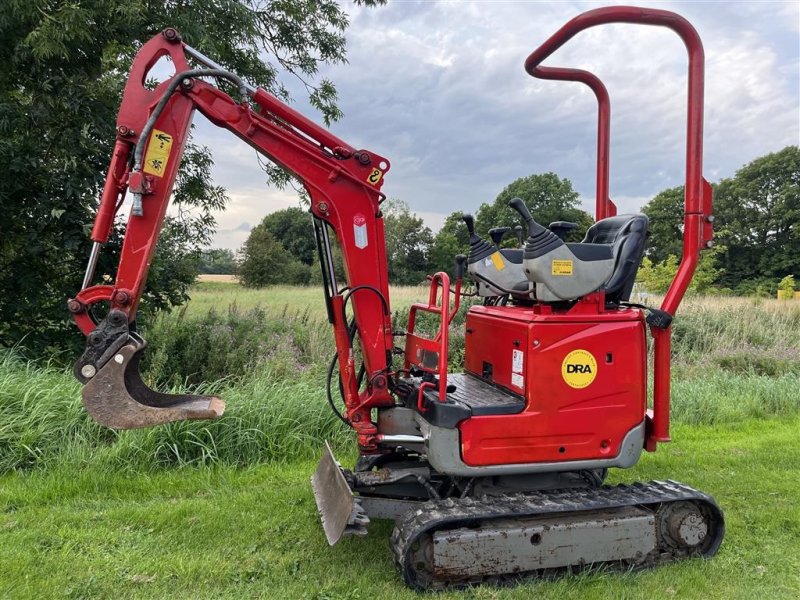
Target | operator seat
(607,259)
(627,235)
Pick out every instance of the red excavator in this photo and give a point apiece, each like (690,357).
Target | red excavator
(491,473)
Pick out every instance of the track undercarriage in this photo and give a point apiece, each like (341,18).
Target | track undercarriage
(452,533)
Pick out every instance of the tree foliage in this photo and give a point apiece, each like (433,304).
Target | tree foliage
(408,242)
(549,198)
(292,227)
(756,233)
(217,261)
(452,239)
(758,219)
(665,212)
(62,69)
(264,261)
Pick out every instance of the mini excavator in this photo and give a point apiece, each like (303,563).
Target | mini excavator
(494,473)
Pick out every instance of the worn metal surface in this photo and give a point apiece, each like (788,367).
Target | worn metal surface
(387,508)
(443,450)
(483,397)
(339,511)
(413,536)
(543,542)
(397,420)
(118,398)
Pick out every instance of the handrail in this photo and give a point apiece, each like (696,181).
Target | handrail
(440,343)
(697,231)
(604,206)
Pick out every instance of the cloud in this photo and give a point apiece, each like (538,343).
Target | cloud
(440,90)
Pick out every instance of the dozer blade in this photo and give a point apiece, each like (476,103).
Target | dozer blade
(117,397)
(339,510)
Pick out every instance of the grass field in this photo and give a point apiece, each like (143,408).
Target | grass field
(224,509)
(222,532)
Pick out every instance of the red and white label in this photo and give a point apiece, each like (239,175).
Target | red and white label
(360,231)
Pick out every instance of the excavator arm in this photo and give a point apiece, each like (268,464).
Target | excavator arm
(344,187)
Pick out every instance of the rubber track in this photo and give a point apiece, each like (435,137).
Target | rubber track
(452,513)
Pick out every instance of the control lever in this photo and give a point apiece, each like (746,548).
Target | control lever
(534,229)
(497,233)
(518,233)
(562,228)
(469,221)
(460,267)
(478,247)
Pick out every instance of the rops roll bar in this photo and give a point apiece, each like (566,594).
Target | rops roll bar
(698,219)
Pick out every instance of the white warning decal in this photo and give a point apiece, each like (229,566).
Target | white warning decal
(360,231)
(517,357)
(517,381)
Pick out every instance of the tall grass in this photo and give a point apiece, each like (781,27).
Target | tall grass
(267,418)
(734,360)
(42,421)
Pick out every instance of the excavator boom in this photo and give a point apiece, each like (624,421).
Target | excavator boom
(343,184)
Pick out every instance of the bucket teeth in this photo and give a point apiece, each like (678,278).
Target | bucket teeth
(340,512)
(116,396)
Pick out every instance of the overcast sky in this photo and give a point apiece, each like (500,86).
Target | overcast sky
(439,88)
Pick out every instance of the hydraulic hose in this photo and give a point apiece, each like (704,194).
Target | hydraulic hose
(176,81)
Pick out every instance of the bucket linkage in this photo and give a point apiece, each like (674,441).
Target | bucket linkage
(114,393)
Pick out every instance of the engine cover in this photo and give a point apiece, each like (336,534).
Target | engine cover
(583,378)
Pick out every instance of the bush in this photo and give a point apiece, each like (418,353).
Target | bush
(231,344)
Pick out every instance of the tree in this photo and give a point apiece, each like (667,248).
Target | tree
(450,240)
(217,261)
(758,220)
(549,199)
(64,65)
(407,243)
(786,287)
(656,277)
(665,212)
(292,227)
(264,261)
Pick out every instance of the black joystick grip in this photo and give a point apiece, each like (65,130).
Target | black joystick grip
(518,205)
(470,222)
(518,233)
(534,229)
(497,233)
(478,247)
(460,268)
(540,241)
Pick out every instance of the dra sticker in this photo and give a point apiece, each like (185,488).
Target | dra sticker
(579,369)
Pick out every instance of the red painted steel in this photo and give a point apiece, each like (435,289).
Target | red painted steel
(559,422)
(344,188)
(604,206)
(697,220)
(417,346)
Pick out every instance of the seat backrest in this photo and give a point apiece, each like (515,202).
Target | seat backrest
(627,235)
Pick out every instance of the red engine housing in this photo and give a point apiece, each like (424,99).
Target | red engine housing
(583,377)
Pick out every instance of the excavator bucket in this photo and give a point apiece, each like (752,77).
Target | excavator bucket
(117,397)
(339,510)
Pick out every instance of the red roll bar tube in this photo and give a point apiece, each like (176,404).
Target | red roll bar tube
(698,219)
(604,207)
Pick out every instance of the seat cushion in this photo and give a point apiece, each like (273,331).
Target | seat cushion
(626,234)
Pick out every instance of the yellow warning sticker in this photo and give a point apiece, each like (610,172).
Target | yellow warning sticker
(497,259)
(562,267)
(157,156)
(375,176)
(579,369)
